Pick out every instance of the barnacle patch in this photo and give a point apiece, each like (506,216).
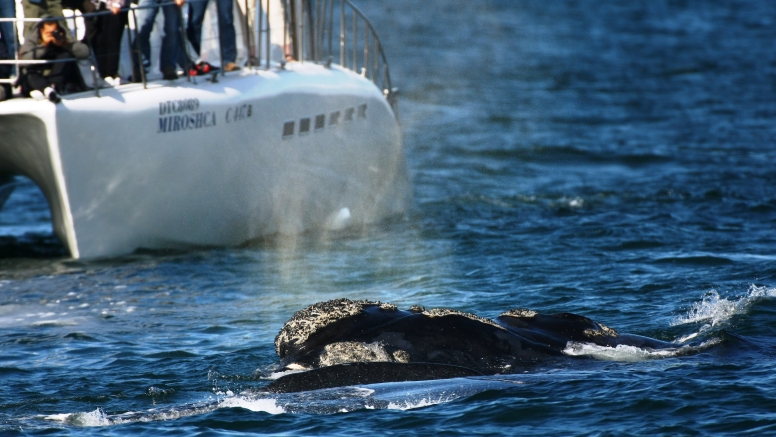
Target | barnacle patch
(353,352)
(520,313)
(603,331)
(306,322)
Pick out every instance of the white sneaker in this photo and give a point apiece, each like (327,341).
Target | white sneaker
(52,95)
(37,95)
(113,81)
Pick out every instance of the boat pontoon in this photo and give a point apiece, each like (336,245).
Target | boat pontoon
(305,136)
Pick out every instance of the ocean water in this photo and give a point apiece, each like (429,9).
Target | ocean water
(612,159)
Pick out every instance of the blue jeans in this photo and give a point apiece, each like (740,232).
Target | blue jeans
(226,33)
(8,10)
(170,40)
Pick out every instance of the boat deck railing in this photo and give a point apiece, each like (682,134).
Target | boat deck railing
(135,54)
(319,31)
(360,49)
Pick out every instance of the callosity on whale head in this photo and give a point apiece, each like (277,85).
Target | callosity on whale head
(343,342)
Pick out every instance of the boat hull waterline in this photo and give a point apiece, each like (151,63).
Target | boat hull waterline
(211,163)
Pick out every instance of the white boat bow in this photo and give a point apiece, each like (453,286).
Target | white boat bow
(215,161)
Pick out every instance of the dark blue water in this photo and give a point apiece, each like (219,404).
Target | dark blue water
(613,159)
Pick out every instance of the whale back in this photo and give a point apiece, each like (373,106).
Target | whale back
(556,330)
(343,342)
(364,331)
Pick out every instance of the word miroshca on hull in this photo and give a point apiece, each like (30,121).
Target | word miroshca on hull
(304,136)
(343,342)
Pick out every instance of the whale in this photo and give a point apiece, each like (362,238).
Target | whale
(343,342)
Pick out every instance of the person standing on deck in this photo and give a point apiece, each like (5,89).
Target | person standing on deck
(105,33)
(5,70)
(226,33)
(171,43)
(39,8)
(8,10)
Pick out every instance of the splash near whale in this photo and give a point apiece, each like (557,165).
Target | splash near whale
(343,342)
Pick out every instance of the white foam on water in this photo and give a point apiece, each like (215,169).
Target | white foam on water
(619,353)
(363,391)
(396,396)
(275,375)
(57,322)
(266,405)
(420,403)
(419,394)
(15,315)
(100,418)
(576,202)
(625,353)
(715,310)
(92,418)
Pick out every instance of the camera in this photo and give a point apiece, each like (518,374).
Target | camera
(58,34)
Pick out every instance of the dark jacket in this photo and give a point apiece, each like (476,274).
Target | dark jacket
(33,48)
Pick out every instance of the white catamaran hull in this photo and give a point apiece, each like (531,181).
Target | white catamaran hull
(255,154)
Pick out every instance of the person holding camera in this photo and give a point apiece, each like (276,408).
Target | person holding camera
(49,40)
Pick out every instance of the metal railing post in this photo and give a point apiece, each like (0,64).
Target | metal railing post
(342,33)
(17,49)
(247,31)
(220,39)
(375,64)
(317,38)
(314,32)
(330,30)
(259,30)
(93,57)
(183,47)
(138,54)
(285,33)
(302,35)
(330,34)
(366,50)
(268,42)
